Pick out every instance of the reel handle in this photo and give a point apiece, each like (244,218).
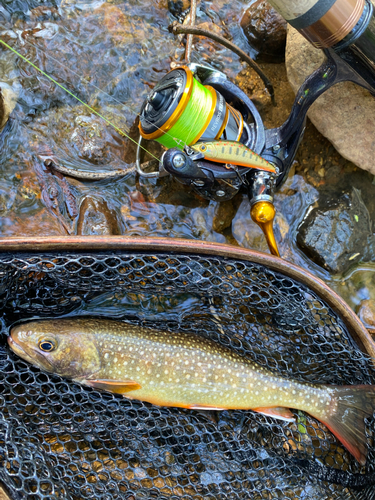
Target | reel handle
(263,214)
(261,187)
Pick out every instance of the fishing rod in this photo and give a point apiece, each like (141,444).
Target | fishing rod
(196,105)
(201,96)
(227,119)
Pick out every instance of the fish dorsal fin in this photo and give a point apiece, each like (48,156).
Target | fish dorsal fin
(115,386)
(277,412)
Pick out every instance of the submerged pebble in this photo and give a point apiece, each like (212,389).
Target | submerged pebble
(96,218)
(8,100)
(366,313)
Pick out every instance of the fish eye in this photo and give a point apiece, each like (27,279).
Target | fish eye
(203,147)
(46,345)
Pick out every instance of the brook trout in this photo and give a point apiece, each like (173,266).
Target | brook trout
(184,370)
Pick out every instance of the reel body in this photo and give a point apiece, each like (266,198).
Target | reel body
(231,116)
(197,103)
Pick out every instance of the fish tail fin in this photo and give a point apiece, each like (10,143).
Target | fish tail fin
(350,405)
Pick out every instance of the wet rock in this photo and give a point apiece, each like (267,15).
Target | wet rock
(366,313)
(345,114)
(116,22)
(177,7)
(337,233)
(130,38)
(265,29)
(41,223)
(224,214)
(91,139)
(8,101)
(83,138)
(96,218)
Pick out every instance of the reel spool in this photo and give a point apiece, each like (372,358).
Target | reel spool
(181,111)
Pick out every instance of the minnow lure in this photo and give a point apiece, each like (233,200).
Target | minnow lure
(184,370)
(234,153)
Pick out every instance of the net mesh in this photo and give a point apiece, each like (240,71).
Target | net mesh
(59,440)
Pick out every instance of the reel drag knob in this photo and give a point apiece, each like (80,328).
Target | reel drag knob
(263,214)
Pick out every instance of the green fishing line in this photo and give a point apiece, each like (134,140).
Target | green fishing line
(193,120)
(75,97)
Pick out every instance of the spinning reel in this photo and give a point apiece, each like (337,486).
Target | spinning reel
(215,135)
(204,119)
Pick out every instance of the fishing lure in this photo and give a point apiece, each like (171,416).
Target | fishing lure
(233,153)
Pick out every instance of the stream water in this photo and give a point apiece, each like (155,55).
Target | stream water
(110,54)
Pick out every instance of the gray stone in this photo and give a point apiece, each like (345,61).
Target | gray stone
(337,233)
(345,114)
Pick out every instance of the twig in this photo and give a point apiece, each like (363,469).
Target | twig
(189,38)
(177,29)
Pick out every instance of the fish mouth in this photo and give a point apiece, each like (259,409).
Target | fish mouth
(33,357)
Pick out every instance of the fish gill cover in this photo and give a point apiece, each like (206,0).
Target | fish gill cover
(59,440)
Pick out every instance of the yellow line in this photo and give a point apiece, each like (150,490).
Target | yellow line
(75,97)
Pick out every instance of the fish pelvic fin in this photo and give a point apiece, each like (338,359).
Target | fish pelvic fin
(277,412)
(349,407)
(115,386)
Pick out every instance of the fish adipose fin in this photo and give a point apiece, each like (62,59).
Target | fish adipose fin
(350,405)
(115,386)
(277,412)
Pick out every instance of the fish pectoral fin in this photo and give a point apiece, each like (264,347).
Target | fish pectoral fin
(277,412)
(115,386)
(204,407)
